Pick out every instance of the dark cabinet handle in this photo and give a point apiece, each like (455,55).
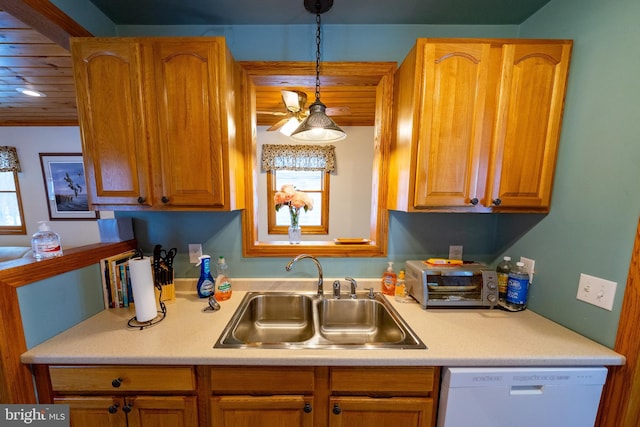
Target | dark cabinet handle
(336,409)
(164,199)
(474,201)
(141,200)
(116,383)
(113,408)
(127,408)
(497,202)
(307,408)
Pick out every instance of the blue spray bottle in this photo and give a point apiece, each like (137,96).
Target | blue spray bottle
(206,284)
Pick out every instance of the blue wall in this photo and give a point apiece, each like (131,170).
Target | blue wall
(50,306)
(595,205)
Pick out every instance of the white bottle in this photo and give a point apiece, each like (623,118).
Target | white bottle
(45,243)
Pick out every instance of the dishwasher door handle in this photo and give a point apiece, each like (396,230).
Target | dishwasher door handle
(518,390)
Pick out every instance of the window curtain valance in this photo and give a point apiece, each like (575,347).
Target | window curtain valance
(9,159)
(299,157)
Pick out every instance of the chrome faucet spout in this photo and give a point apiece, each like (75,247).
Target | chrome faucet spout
(315,260)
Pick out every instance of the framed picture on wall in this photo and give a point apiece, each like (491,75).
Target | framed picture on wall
(66,187)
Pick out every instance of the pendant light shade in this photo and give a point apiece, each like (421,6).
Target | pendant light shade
(318,126)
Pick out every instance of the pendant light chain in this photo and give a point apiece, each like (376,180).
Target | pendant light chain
(318,56)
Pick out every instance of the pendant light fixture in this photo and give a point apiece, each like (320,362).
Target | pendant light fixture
(318,126)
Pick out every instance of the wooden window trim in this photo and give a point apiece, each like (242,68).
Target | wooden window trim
(15,229)
(323,228)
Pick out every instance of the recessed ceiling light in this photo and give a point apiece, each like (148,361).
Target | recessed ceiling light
(30,92)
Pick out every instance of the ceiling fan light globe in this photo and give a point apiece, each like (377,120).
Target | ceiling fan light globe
(291,125)
(318,126)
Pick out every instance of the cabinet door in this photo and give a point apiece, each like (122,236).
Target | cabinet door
(261,411)
(167,411)
(381,412)
(527,129)
(454,87)
(187,91)
(108,78)
(96,411)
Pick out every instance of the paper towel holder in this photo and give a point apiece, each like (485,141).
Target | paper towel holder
(133,322)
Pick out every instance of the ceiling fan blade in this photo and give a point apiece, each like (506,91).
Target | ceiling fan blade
(279,124)
(294,100)
(273,113)
(338,111)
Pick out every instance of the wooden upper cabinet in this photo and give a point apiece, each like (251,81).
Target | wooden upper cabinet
(185,133)
(477,125)
(527,126)
(113,123)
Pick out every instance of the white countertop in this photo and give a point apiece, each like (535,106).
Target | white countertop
(454,337)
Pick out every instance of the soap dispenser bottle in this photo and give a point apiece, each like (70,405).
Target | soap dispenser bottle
(223,284)
(45,243)
(206,284)
(389,279)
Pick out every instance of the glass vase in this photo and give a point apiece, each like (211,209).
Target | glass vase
(295,232)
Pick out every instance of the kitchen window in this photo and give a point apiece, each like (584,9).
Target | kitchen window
(307,168)
(11,213)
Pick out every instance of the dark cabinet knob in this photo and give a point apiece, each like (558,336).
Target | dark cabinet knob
(497,202)
(141,200)
(307,408)
(336,409)
(116,383)
(113,408)
(474,201)
(127,408)
(164,199)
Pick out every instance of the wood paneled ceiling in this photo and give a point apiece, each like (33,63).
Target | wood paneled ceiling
(33,60)
(29,59)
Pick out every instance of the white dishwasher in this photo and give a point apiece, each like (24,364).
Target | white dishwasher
(520,397)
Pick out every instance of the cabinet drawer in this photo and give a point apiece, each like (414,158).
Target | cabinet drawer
(399,380)
(260,380)
(117,378)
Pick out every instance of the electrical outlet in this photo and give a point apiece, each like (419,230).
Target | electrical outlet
(455,252)
(195,252)
(530,265)
(596,291)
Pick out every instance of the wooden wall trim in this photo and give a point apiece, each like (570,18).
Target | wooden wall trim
(620,403)
(16,382)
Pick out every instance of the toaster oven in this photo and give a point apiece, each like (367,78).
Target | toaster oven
(463,285)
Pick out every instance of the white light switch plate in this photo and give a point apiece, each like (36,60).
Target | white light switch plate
(195,252)
(530,265)
(596,291)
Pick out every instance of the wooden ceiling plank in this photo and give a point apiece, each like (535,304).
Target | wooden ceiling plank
(28,50)
(26,35)
(46,18)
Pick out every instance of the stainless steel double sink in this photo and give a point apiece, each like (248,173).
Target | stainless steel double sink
(299,320)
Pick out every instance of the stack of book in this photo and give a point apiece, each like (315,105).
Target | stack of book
(116,282)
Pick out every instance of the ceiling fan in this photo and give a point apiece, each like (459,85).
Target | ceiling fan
(295,102)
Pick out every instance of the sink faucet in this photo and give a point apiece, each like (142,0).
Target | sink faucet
(336,289)
(314,259)
(354,285)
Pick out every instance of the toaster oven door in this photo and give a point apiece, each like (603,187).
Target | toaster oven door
(455,288)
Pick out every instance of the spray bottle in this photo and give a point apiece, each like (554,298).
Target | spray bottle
(206,284)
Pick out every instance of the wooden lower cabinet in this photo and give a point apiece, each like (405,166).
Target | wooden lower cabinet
(381,412)
(122,396)
(262,411)
(242,396)
(131,411)
(323,396)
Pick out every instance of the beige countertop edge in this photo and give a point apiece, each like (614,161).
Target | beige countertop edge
(460,337)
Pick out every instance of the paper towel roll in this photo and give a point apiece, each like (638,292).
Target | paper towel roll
(142,286)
